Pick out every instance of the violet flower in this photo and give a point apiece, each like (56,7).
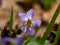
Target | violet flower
(28,22)
(12,41)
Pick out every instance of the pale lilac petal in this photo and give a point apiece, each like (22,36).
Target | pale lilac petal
(37,22)
(30,14)
(30,31)
(22,23)
(22,16)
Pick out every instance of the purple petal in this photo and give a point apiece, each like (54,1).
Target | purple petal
(30,31)
(22,16)
(30,14)
(5,40)
(37,22)
(22,23)
(1,41)
(20,40)
(23,28)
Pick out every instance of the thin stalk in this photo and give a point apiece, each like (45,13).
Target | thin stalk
(57,35)
(48,30)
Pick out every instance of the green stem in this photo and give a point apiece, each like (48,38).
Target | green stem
(48,30)
(57,35)
(11,20)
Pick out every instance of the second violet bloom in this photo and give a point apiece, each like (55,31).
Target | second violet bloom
(28,22)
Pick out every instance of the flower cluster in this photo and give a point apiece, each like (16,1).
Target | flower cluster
(27,23)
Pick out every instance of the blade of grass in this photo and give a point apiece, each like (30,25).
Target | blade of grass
(11,19)
(42,41)
(57,35)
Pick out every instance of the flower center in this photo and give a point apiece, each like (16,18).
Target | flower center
(29,22)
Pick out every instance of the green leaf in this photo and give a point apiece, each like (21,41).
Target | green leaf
(48,30)
(47,3)
(46,43)
(33,42)
(11,20)
(27,39)
(36,28)
(57,35)
(38,40)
